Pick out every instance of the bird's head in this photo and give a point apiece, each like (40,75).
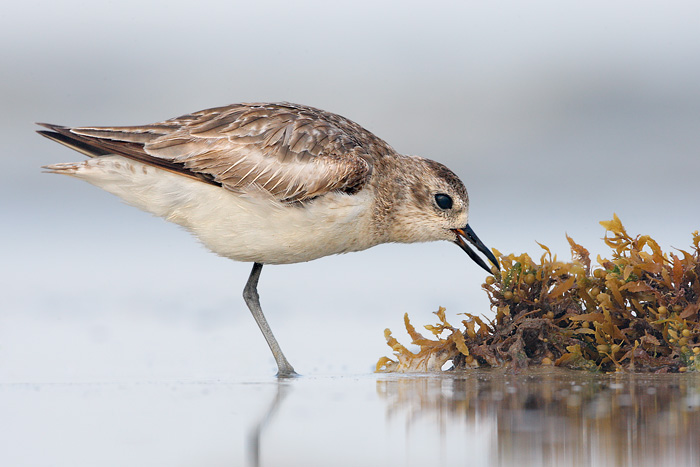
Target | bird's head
(435,206)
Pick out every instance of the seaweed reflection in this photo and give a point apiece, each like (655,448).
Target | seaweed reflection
(560,417)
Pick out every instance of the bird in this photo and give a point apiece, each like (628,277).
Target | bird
(274,183)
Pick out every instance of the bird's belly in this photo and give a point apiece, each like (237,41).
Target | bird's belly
(246,226)
(283,234)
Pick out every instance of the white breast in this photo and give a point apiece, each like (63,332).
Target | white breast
(248,226)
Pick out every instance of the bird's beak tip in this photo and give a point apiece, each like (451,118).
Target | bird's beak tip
(466,233)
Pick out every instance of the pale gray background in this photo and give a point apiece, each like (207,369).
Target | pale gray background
(555,115)
(124,342)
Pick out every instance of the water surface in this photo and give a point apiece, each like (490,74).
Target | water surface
(537,417)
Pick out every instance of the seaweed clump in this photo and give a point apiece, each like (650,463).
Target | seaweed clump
(638,311)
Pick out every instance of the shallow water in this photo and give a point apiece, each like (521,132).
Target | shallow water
(540,417)
(560,417)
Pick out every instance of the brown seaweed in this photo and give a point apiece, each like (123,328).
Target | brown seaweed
(638,311)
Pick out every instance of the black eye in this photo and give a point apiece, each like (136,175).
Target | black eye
(443,201)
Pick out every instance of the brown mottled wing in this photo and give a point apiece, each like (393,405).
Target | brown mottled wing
(293,152)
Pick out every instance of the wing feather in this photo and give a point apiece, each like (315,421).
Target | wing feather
(294,152)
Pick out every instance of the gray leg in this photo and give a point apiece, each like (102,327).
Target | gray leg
(252,299)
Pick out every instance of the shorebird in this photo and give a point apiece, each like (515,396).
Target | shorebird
(274,184)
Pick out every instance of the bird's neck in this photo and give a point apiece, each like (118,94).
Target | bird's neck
(392,189)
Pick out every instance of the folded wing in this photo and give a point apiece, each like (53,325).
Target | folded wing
(293,152)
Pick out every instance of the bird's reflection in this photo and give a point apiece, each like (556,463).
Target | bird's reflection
(559,417)
(283,389)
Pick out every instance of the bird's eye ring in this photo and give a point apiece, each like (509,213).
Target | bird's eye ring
(443,201)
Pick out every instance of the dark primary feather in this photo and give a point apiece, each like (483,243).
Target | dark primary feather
(95,148)
(294,152)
